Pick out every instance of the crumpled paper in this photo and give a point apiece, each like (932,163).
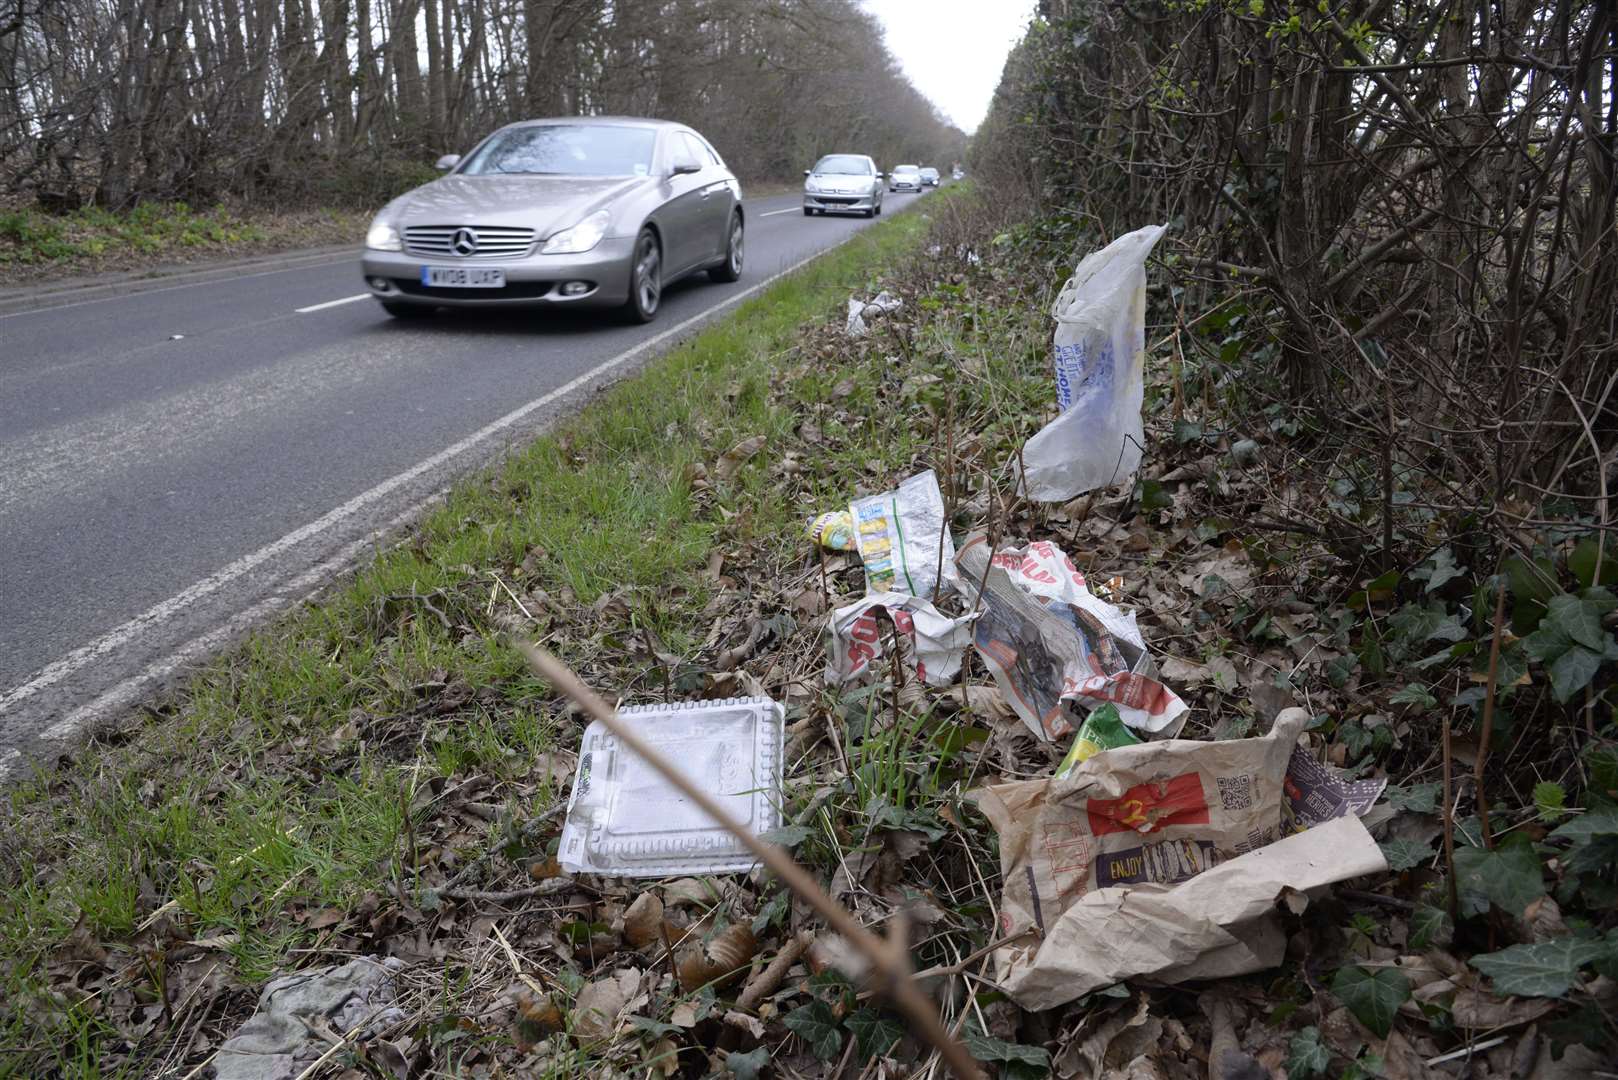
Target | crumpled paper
(1047,639)
(1158,860)
(276,1043)
(856,639)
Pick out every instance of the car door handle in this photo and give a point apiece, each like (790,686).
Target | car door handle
(706,192)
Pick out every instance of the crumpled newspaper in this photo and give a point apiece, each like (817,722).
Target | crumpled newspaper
(859,310)
(1047,639)
(1163,859)
(1316,793)
(277,1044)
(856,639)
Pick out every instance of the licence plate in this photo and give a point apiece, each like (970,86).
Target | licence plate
(463,277)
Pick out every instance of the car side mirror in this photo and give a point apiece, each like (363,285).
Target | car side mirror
(806,172)
(681,168)
(447,162)
(879,176)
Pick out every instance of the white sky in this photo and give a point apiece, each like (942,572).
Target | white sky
(953,50)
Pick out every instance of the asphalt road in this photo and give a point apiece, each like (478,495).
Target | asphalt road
(182,463)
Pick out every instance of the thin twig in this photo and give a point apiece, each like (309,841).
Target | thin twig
(1449,836)
(765,982)
(544,888)
(1488,714)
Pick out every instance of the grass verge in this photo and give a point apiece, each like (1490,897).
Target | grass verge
(36,246)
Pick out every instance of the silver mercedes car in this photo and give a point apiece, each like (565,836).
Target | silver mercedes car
(592,211)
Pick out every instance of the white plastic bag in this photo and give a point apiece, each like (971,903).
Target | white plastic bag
(1100,363)
(858,309)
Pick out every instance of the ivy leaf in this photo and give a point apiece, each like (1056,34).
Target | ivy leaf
(1547,643)
(773,911)
(1416,798)
(1572,672)
(1372,996)
(1578,621)
(1307,1056)
(1404,854)
(1601,821)
(988,1048)
(1545,969)
(1415,694)
(876,1033)
(788,836)
(748,1066)
(1508,877)
(1429,925)
(1444,569)
(817,1026)
(1602,761)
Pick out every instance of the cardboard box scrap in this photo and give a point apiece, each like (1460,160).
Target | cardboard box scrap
(1164,860)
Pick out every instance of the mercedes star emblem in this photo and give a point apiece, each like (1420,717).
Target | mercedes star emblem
(464,242)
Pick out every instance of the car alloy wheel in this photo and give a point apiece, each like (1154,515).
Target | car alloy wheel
(731,268)
(645,279)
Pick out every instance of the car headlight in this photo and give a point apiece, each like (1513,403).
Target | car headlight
(579,238)
(811,186)
(382,236)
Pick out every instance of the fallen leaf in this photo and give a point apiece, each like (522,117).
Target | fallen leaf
(684,892)
(643,922)
(596,1010)
(1480,1011)
(719,960)
(732,460)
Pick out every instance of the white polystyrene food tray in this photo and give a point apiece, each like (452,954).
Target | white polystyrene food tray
(625,819)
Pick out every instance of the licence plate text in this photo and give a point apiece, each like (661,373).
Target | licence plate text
(463,277)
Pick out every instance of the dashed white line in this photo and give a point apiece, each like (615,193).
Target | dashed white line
(788,210)
(333,303)
(149,620)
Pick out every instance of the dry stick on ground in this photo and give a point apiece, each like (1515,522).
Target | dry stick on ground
(887,958)
(1488,715)
(1449,836)
(772,976)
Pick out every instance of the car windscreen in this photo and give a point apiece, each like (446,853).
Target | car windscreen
(566,150)
(906,169)
(843,165)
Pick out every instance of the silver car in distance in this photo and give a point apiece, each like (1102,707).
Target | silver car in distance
(906,178)
(593,211)
(843,183)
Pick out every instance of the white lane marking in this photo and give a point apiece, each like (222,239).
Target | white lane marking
(788,210)
(183,285)
(300,589)
(155,616)
(332,303)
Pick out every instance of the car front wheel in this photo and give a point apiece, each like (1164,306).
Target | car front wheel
(731,268)
(645,279)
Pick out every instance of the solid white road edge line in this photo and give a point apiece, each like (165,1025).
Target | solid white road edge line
(155,616)
(788,210)
(332,303)
(299,589)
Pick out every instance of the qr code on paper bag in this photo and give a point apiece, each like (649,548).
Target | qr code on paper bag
(1236,792)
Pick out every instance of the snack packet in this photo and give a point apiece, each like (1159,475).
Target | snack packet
(1102,730)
